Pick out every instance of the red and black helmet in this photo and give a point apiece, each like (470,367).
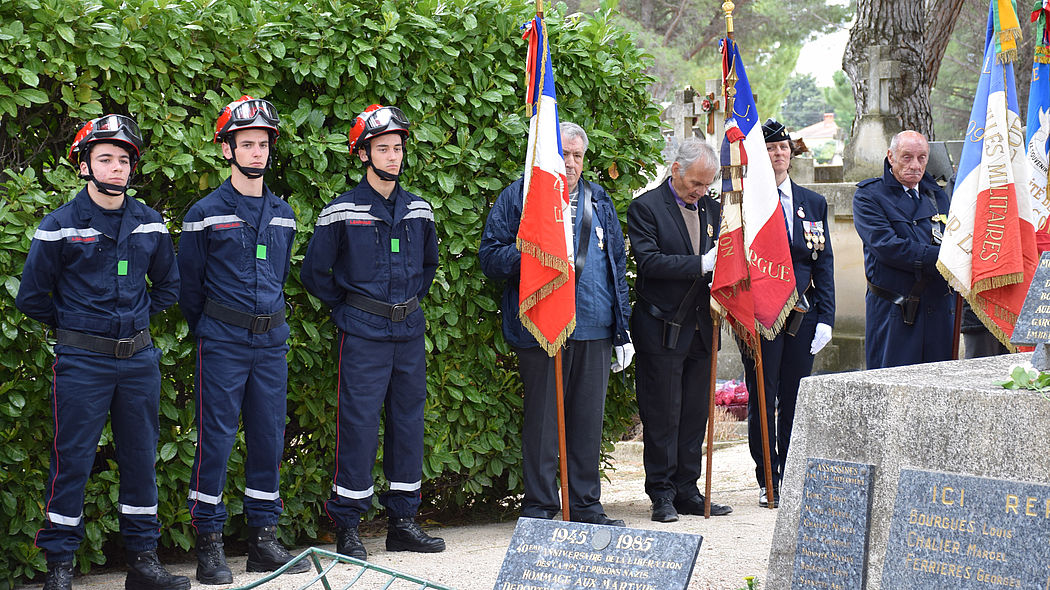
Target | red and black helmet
(117,129)
(377,120)
(246,113)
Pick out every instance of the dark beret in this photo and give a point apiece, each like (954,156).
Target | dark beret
(773,130)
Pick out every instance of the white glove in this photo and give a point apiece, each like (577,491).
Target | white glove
(820,338)
(707,263)
(624,356)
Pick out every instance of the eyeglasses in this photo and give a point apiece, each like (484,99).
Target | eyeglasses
(248,110)
(111,125)
(380,119)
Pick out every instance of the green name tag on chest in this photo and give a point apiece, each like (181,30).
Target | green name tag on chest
(260,251)
(395,245)
(122,267)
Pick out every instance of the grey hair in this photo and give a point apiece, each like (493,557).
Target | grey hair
(896,139)
(692,149)
(570,130)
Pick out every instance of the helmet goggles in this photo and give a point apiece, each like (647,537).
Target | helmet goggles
(119,129)
(246,113)
(379,120)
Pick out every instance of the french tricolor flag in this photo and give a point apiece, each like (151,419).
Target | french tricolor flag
(547,291)
(754,282)
(988,252)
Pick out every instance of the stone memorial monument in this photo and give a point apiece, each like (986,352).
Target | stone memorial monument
(554,555)
(874,129)
(907,422)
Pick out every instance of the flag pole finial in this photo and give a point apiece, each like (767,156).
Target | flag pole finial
(539,8)
(727,8)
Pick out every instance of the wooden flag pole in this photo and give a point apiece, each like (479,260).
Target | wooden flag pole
(957,329)
(715,320)
(766,462)
(563,462)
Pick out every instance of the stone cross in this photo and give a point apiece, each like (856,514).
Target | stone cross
(683,113)
(881,70)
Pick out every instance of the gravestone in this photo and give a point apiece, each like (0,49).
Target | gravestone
(958,530)
(945,417)
(1033,323)
(832,541)
(876,126)
(552,555)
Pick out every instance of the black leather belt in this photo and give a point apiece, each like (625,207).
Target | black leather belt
(258,324)
(892,297)
(396,312)
(121,348)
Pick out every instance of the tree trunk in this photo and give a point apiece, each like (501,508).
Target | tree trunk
(899,25)
(940,22)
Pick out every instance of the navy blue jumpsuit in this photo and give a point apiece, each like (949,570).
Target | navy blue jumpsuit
(86,273)
(234,256)
(364,248)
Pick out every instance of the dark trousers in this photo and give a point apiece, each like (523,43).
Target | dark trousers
(673,392)
(238,383)
(86,390)
(785,361)
(378,376)
(585,377)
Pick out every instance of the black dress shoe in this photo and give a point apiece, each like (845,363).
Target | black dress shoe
(695,505)
(597,518)
(145,572)
(663,510)
(59,576)
(348,542)
(211,560)
(763,500)
(267,554)
(403,534)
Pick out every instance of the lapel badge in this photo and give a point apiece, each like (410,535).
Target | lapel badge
(710,231)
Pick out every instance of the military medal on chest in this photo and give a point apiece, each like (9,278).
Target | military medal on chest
(600,234)
(814,234)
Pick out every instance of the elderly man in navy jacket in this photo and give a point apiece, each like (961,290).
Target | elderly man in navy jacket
(602,310)
(900,217)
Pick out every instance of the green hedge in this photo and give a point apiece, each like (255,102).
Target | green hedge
(174,65)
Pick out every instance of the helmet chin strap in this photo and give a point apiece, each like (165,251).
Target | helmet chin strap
(112,190)
(248,171)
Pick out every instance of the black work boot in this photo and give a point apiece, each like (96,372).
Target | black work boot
(145,572)
(403,534)
(211,560)
(59,575)
(266,554)
(348,542)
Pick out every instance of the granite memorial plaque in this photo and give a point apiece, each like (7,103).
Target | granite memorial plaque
(951,530)
(832,545)
(1033,324)
(551,554)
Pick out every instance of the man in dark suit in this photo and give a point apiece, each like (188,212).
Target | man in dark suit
(900,217)
(789,357)
(673,230)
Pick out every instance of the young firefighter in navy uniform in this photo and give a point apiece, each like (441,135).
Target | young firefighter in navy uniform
(234,256)
(85,276)
(372,258)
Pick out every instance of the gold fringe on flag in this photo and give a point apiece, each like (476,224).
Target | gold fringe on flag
(1042,54)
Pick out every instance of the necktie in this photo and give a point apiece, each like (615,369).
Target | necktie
(785,204)
(913,194)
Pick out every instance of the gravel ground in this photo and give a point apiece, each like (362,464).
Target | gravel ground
(734,546)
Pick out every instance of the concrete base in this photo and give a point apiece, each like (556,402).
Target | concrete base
(941,416)
(867,148)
